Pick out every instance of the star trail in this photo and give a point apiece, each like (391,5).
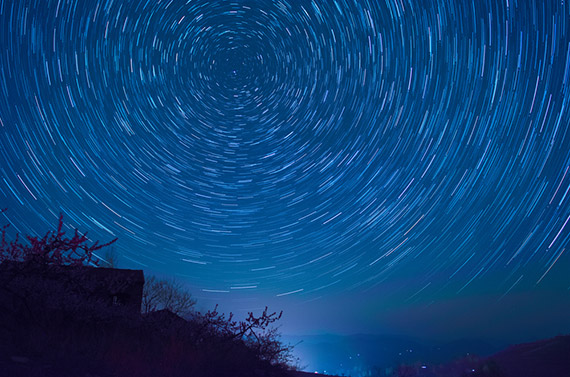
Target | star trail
(296,149)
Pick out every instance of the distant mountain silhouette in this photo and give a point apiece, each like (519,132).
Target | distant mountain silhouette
(543,358)
(374,355)
(355,354)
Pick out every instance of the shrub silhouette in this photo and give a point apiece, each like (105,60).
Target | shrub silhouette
(53,248)
(255,333)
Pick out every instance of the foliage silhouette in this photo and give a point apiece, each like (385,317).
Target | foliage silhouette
(53,248)
(255,332)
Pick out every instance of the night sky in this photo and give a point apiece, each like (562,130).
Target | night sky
(373,166)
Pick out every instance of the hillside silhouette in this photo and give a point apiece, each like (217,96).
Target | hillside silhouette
(60,315)
(78,320)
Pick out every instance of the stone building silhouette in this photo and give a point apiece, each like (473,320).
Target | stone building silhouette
(28,288)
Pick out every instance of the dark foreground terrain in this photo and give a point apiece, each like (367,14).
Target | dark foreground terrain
(60,321)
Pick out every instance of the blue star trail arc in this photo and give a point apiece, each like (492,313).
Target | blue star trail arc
(295,148)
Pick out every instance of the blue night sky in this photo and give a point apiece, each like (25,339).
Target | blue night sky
(375,166)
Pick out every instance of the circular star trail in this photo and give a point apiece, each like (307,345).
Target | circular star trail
(295,147)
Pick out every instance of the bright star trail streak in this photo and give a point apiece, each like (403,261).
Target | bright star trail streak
(295,149)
